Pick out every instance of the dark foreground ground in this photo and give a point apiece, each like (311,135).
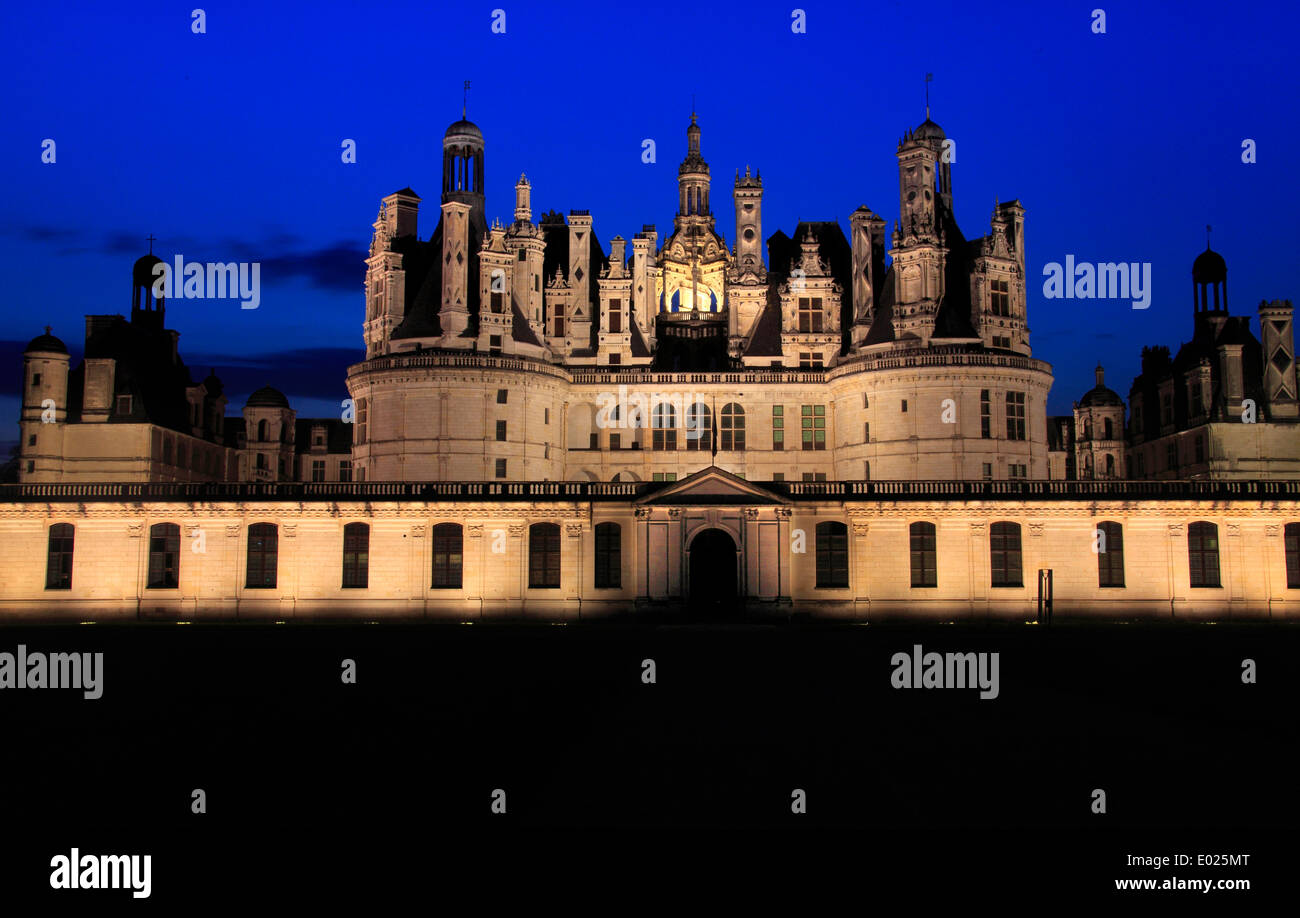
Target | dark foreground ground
(384,788)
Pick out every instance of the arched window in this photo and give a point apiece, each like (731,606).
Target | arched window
(261,460)
(1291,546)
(732,431)
(699,427)
(1110,466)
(609,556)
(1110,429)
(263,431)
(664,434)
(356,556)
(1087,465)
(164,556)
(263,547)
(58,567)
(544,556)
(448,559)
(1087,428)
(832,555)
(924,566)
(1004,554)
(1108,540)
(1203,554)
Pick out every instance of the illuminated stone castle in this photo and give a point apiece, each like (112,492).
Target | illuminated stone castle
(495,351)
(543,431)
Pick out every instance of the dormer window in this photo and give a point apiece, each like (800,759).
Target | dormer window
(125,404)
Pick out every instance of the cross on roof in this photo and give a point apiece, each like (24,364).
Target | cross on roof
(152,240)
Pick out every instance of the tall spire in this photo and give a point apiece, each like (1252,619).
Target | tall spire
(928,78)
(464,103)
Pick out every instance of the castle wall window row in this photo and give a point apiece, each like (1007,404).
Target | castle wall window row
(833,555)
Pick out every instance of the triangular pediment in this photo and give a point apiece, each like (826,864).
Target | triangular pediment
(713,486)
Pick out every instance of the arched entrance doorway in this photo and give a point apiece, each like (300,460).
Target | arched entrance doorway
(713,574)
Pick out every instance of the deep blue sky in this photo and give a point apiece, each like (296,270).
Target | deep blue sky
(226,146)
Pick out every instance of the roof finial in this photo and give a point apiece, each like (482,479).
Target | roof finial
(1207,237)
(152,240)
(464,104)
(47,329)
(928,78)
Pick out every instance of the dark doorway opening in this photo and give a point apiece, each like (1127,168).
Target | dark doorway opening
(713,574)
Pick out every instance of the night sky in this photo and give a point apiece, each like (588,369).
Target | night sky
(226,146)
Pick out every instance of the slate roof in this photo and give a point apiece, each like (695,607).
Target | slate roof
(338,435)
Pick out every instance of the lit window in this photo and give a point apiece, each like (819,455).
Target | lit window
(813,426)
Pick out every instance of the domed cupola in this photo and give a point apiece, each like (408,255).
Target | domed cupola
(46,344)
(144,275)
(1210,272)
(462,164)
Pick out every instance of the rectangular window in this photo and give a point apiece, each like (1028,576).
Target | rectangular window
(501,468)
(494,344)
(544,556)
(356,556)
(1000,298)
(615,317)
(318,470)
(1004,555)
(58,566)
(557,314)
(609,556)
(501,430)
(124,404)
(813,423)
(778,476)
(1291,547)
(164,556)
(498,301)
(345,470)
(31,439)
(1015,415)
(988,471)
(986,415)
(904,406)
(263,546)
(36,379)
(1199,442)
(362,416)
(502,396)
(1203,555)
(832,555)
(1109,541)
(664,476)
(866,471)
(1166,408)
(1017,470)
(447,556)
(810,314)
(778,427)
(1171,455)
(814,476)
(924,559)
(615,441)
(615,360)
(866,432)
